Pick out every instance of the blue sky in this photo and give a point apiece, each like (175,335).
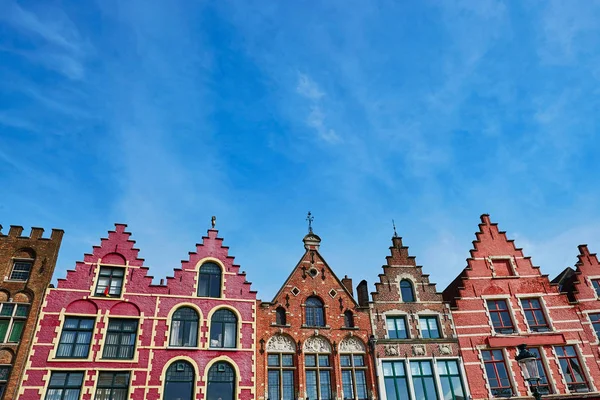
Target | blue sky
(162,114)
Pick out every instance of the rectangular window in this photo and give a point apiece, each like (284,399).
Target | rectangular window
(21,270)
(595,319)
(318,377)
(536,320)
(4,375)
(571,368)
(422,378)
(281,376)
(596,285)
(396,383)
(64,386)
(430,328)
(112,386)
(354,382)
(500,316)
(13,317)
(120,339)
(75,338)
(542,385)
(396,327)
(110,281)
(452,384)
(497,373)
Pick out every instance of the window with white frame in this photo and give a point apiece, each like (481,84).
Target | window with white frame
(430,327)
(497,373)
(500,315)
(452,383)
(64,385)
(13,317)
(595,320)
(536,320)
(395,380)
(396,327)
(596,285)
(572,369)
(543,385)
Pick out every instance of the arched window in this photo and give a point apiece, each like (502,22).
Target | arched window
(223,329)
(184,328)
(180,381)
(348,319)
(315,315)
(406,290)
(280,316)
(221,382)
(209,280)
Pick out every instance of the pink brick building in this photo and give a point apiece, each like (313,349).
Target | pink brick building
(107,332)
(501,300)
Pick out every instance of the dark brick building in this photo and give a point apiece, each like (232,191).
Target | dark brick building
(26,267)
(312,338)
(416,346)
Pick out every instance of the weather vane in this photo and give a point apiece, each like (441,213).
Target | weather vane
(310,219)
(394,225)
(213,221)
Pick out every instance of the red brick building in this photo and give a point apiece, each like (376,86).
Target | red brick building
(107,333)
(313,337)
(501,300)
(26,267)
(416,346)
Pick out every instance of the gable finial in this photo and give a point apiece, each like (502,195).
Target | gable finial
(213,221)
(394,225)
(310,219)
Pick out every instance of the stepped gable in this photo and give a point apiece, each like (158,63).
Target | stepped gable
(400,264)
(493,256)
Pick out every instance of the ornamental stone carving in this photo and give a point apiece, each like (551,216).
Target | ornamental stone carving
(418,350)
(281,344)
(445,349)
(351,345)
(317,344)
(390,350)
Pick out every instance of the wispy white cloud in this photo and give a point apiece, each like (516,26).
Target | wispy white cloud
(316,118)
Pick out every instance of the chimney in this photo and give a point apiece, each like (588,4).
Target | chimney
(362,292)
(347,282)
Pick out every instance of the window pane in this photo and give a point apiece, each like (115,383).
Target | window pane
(273,360)
(347,384)
(273,384)
(311,385)
(323,361)
(287,360)
(345,361)
(3,329)
(17,329)
(325,385)
(288,385)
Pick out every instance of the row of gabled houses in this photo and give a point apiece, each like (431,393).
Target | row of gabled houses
(107,332)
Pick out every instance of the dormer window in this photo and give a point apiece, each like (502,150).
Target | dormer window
(406,291)
(209,281)
(21,270)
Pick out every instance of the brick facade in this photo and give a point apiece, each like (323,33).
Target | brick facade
(22,291)
(341,339)
(501,300)
(146,334)
(405,306)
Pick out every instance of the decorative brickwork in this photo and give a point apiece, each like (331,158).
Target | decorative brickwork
(412,327)
(331,345)
(26,267)
(108,318)
(501,300)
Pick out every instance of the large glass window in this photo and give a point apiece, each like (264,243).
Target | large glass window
(13,317)
(110,281)
(500,316)
(120,338)
(112,386)
(423,381)
(354,381)
(542,384)
(184,328)
(64,386)
(595,319)
(430,328)
(571,368)
(180,381)
(315,315)
(4,375)
(75,338)
(21,270)
(209,281)
(536,320)
(396,327)
(407,291)
(318,376)
(452,384)
(221,382)
(497,374)
(281,376)
(223,329)
(396,383)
